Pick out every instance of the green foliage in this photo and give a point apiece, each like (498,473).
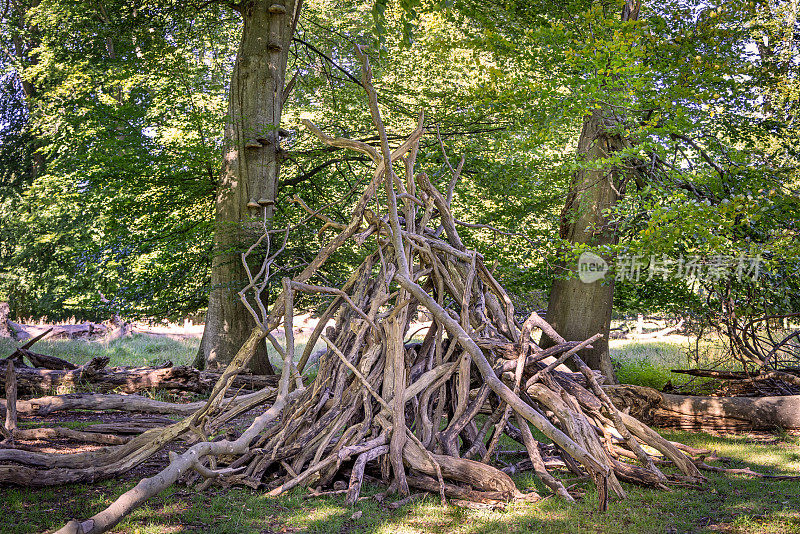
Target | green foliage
(127,116)
(130,104)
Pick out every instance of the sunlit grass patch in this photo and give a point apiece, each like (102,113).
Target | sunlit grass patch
(649,363)
(135,350)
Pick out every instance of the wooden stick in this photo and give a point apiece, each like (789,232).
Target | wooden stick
(11,398)
(357,475)
(538,464)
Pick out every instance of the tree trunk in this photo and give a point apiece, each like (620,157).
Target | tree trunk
(251,161)
(578,310)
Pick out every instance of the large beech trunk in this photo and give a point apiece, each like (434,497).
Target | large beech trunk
(577,309)
(251,162)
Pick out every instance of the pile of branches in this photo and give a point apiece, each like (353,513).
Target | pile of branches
(757,323)
(764,347)
(764,341)
(406,413)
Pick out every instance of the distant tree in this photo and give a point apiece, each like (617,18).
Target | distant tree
(122,124)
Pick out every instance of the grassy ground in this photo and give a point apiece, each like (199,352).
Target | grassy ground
(727,504)
(648,362)
(136,350)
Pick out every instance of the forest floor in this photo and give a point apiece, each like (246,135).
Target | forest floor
(729,503)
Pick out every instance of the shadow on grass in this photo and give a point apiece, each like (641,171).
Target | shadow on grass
(727,504)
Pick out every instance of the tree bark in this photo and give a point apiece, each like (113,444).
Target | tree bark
(576,309)
(251,161)
(130,379)
(727,414)
(579,310)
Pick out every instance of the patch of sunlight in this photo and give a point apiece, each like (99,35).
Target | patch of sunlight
(782,522)
(399,528)
(781,457)
(319,513)
(154,528)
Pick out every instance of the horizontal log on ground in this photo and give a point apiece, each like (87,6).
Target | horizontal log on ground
(47,433)
(708,413)
(129,427)
(102,402)
(44,361)
(789,378)
(550,462)
(93,375)
(64,331)
(431,485)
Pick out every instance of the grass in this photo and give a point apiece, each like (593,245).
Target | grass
(136,350)
(648,363)
(728,504)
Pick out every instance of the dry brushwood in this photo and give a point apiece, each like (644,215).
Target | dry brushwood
(382,407)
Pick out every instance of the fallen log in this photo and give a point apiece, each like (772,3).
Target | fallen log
(763,375)
(133,426)
(44,361)
(659,333)
(18,355)
(94,375)
(122,329)
(708,413)
(128,403)
(64,331)
(49,433)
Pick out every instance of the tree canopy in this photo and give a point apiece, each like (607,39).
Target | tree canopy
(112,117)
